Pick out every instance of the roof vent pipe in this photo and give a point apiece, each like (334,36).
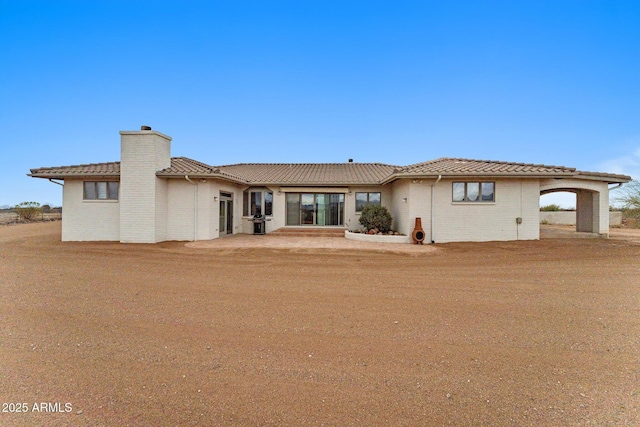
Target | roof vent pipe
(350,160)
(145,127)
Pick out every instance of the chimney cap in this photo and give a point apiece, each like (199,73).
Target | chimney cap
(145,127)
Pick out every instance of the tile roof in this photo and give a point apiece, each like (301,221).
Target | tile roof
(310,173)
(331,173)
(101,169)
(452,166)
(181,166)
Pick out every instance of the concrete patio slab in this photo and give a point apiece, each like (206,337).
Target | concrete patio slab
(248,241)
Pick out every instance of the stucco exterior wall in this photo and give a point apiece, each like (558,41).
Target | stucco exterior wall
(207,210)
(456,222)
(214,201)
(180,218)
(278,219)
(87,220)
(181,214)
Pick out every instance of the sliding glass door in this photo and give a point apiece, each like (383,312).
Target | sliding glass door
(315,209)
(293,209)
(307,214)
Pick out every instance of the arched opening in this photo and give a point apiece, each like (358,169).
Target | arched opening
(591,203)
(564,200)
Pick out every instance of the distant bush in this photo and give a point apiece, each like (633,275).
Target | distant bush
(551,208)
(376,216)
(28,211)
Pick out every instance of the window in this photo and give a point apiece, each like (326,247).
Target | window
(101,190)
(317,209)
(268,203)
(257,202)
(473,192)
(364,198)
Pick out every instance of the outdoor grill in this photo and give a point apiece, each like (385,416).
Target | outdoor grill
(258,224)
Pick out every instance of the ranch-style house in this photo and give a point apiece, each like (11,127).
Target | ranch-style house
(149,196)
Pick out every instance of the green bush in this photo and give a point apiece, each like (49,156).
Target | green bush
(551,208)
(376,216)
(28,211)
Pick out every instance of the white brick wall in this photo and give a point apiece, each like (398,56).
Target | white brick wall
(161,210)
(86,220)
(351,217)
(399,209)
(420,205)
(455,222)
(142,154)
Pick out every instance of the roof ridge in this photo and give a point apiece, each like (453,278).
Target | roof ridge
(505,162)
(307,163)
(194,161)
(499,162)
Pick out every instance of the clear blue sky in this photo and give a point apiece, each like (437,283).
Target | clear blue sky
(554,82)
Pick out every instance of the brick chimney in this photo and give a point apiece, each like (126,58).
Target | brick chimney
(143,196)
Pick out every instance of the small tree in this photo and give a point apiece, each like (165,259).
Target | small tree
(629,198)
(629,195)
(376,216)
(28,211)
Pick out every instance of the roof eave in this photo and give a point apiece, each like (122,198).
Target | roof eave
(73,175)
(465,175)
(200,175)
(610,178)
(314,184)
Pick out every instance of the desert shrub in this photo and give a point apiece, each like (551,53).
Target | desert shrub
(376,216)
(631,213)
(551,208)
(28,211)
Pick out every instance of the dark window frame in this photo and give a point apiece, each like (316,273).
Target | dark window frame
(111,193)
(266,202)
(368,193)
(480,195)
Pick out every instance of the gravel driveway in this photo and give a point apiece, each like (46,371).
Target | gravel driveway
(540,333)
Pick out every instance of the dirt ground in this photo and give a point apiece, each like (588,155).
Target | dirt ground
(539,333)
